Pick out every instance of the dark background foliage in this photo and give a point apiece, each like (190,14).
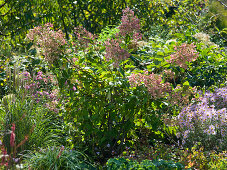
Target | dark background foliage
(18,16)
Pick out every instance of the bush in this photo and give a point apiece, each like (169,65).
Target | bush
(98,103)
(205,121)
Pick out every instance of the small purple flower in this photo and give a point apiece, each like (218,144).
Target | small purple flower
(212,129)
(186,134)
(26,74)
(39,77)
(127,148)
(16,160)
(27,87)
(74,88)
(40,93)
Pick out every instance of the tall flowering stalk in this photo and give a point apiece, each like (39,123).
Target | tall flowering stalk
(129,34)
(48,41)
(12,136)
(184,54)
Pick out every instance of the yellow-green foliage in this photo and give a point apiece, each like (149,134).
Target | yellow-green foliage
(219,13)
(218,161)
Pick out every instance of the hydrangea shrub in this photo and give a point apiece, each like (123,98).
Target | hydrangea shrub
(48,41)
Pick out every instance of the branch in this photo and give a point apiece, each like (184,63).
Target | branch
(8,10)
(3,4)
(222,3)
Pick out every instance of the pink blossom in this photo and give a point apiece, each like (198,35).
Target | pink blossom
(27,87)
(48,41)
(4,154)
(184,53)
(153,83)
(130,25)
(84,37)
(115,52)
(13,127)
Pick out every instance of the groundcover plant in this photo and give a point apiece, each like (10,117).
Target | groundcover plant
(129,96)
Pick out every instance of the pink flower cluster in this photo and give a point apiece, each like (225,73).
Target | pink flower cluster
(130,25)
(153,83)
(84,37)
(184,53)
(115,52)
(50,42)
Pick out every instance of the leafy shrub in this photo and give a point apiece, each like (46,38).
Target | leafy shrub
(158,151)
(110,88)
(209,69)
(121,163)
(194,157)
(197,158)
(99,103)
(112,64)
(56,158)
(205,121)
